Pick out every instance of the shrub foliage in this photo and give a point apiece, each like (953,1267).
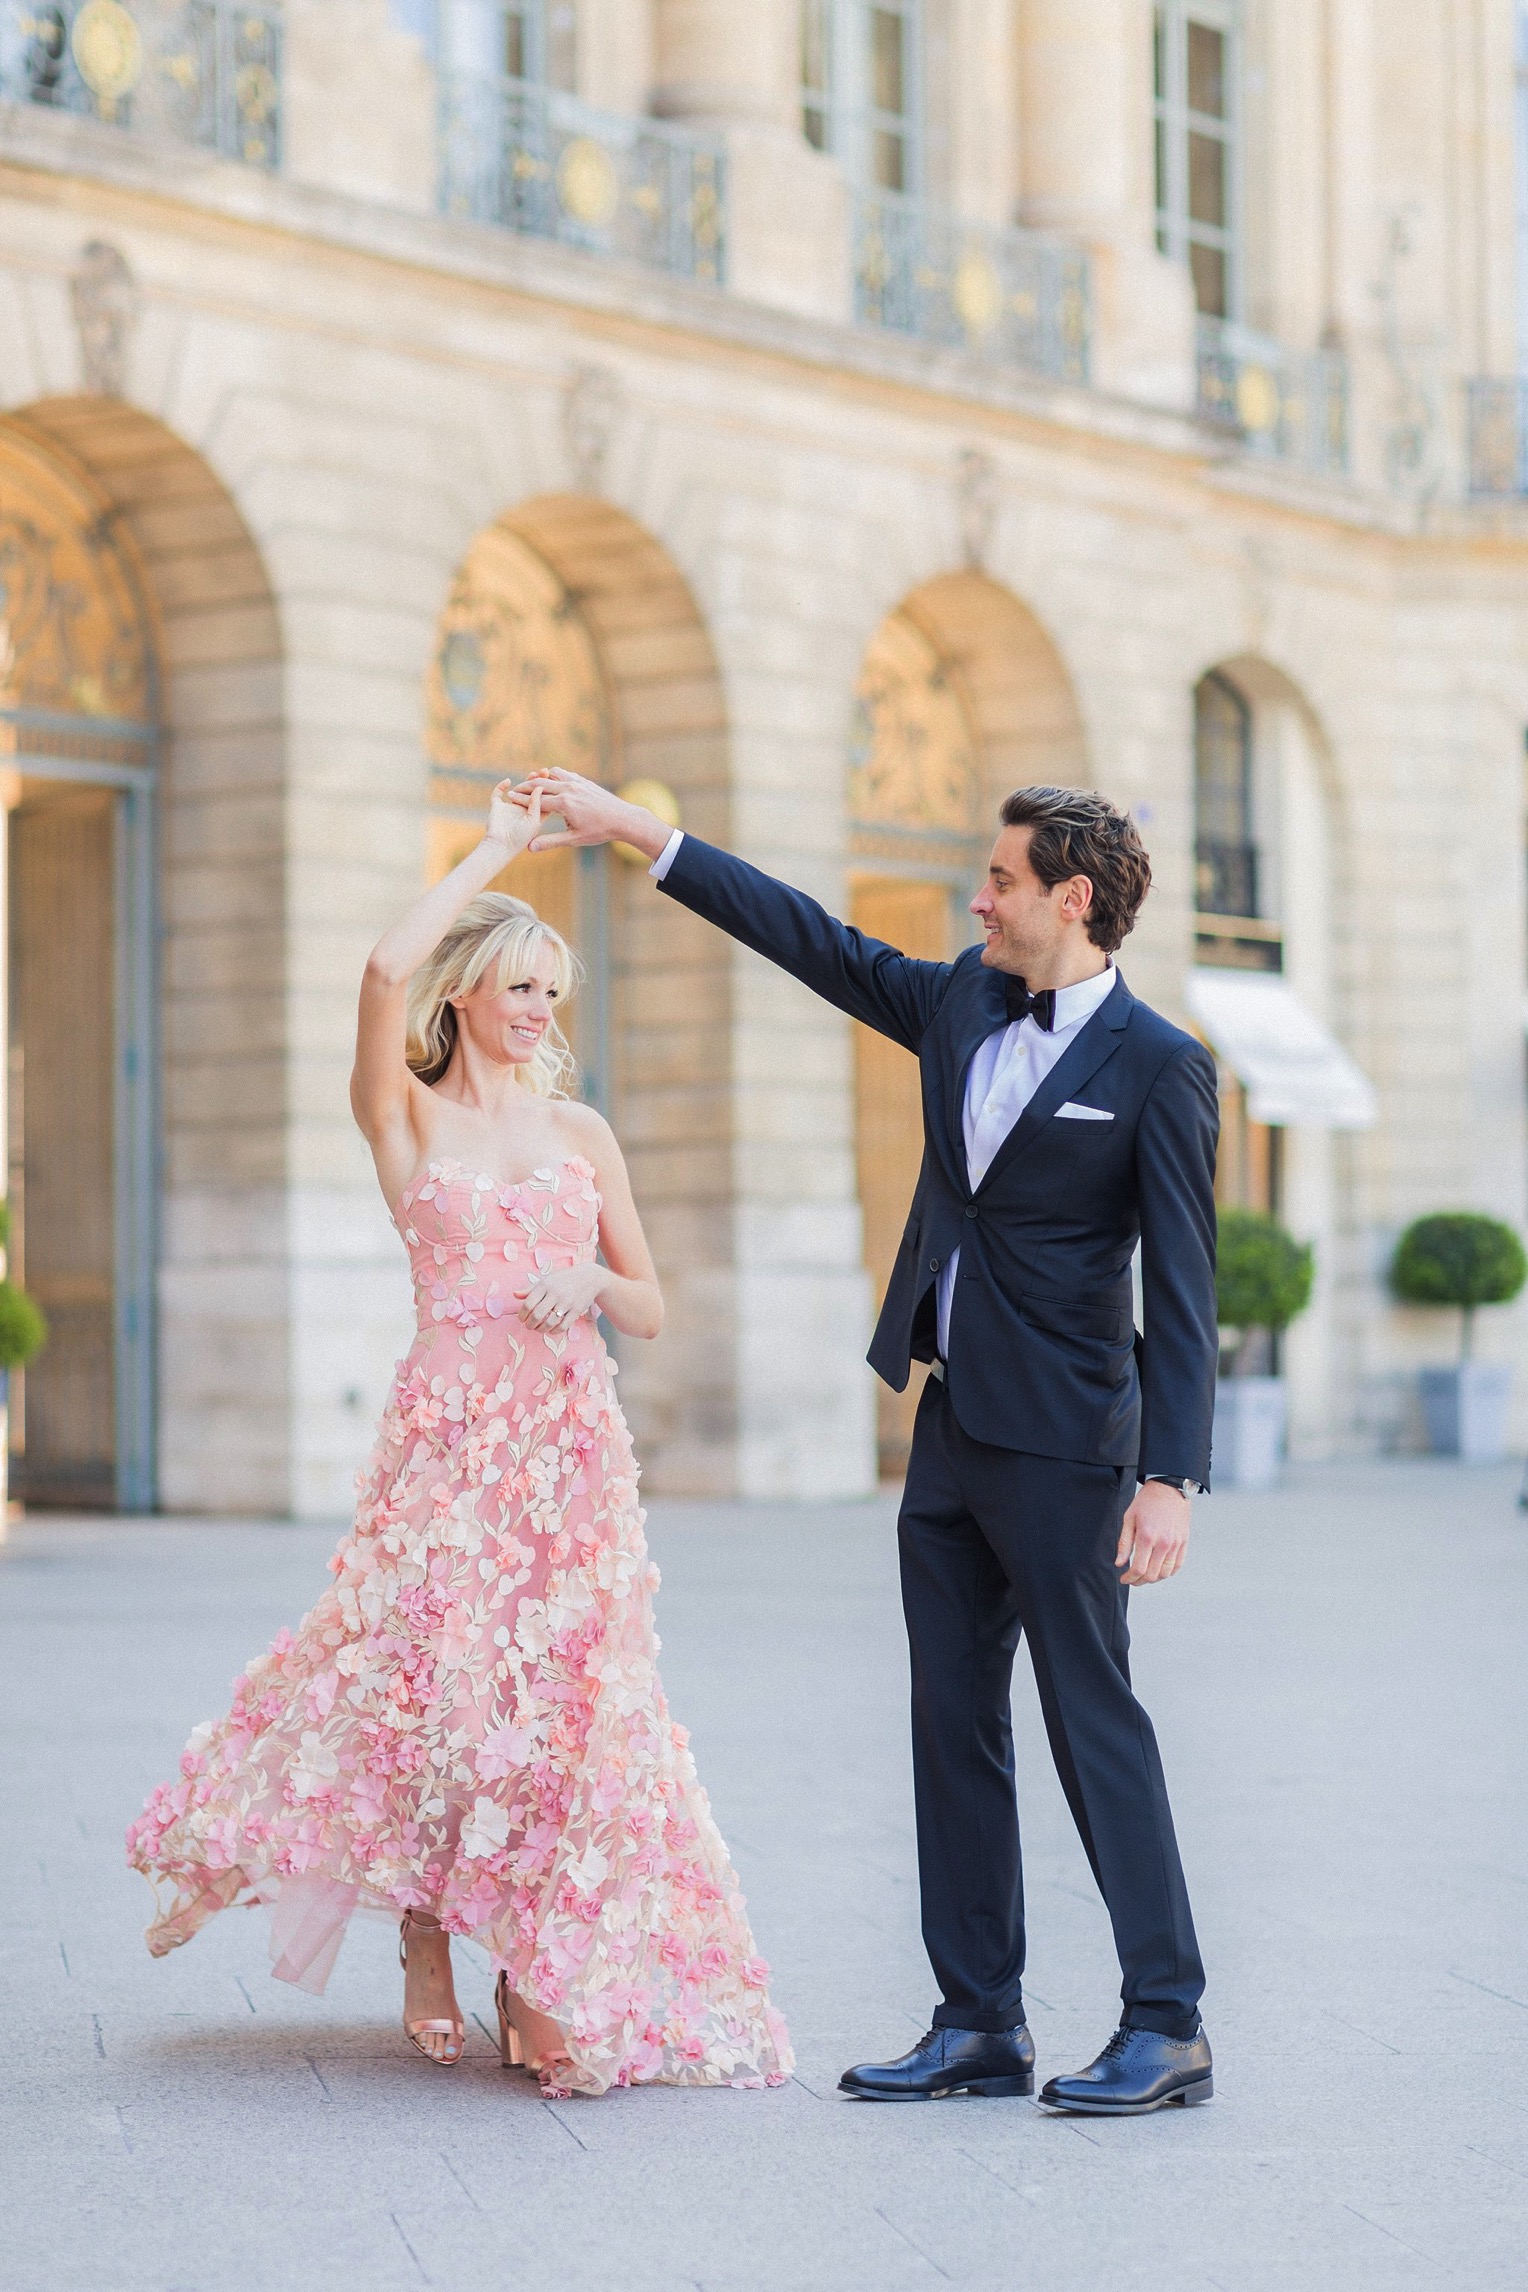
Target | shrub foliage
(23,1327)
(1263,1275)
(1457,1257)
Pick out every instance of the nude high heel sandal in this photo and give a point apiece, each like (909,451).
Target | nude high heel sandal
(415,2030)
(512,2045)
(511,2051)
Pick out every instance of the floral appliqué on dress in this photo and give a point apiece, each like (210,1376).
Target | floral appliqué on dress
(471,1720)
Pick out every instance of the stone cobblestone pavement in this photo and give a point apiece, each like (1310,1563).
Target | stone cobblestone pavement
(1341,1688)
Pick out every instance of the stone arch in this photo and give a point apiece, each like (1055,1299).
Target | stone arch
(961,697)
(220,1244)
(1023,705)
(664,1061)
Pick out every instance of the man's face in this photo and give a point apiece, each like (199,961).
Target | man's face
(1026,924)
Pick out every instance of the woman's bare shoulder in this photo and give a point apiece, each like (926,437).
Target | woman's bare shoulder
(586,1129)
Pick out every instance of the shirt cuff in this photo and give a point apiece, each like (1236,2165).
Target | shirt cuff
(665,859)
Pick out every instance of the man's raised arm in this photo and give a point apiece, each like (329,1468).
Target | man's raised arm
(887,990)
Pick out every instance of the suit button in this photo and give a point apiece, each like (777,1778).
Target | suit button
(933,1265)
(972,1211)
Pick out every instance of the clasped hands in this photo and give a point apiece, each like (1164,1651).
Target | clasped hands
(591,814)
(557,1299)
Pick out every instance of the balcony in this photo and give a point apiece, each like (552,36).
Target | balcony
(1289,405)
(206,73)
(531,159)
(1496,438)
(1016,298)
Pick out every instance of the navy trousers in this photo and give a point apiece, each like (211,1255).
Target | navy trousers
(996,1544)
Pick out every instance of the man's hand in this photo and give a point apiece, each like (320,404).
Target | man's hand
(594,815)
(1153,1540)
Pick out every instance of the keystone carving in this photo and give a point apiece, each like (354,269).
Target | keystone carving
(976,503)
(106,305)
(590,408)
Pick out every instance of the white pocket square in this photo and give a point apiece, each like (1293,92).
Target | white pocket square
(1072,1112)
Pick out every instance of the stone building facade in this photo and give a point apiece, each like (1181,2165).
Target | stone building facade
(838,414)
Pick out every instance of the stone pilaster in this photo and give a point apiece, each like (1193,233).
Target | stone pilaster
(732,64)
(1086,170)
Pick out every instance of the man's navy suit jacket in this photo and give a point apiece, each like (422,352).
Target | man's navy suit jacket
(1043,1355)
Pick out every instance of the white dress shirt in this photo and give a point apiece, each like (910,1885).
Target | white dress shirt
(1007,1070)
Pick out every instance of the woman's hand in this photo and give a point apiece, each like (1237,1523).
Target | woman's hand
(514,816)
(555,1300)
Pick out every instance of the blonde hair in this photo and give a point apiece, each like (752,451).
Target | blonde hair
(499,936)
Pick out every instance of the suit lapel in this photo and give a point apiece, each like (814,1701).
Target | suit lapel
(1097,1043)
(983,1011)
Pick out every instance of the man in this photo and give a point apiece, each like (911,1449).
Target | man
(1065,1122)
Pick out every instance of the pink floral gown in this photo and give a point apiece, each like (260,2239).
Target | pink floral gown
(470,1721)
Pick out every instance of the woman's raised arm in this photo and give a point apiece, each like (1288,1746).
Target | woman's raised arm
(380,1083)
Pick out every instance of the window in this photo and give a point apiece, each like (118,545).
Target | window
(1231,882)
(859,87)
(1195,81)
(1225,852)
(539,42)
(532,40)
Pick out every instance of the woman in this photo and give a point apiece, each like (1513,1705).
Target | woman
(468,1728)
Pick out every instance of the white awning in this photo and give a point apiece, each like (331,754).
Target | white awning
(1294,1072)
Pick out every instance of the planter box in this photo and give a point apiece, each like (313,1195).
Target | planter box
(1247,1444)
(1466,1410)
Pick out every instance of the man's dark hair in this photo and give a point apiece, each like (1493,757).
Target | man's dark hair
(1078,833)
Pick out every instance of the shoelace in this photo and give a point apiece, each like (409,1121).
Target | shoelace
(1117,2043)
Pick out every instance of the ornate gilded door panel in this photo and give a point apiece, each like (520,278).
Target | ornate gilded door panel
(889,1119)
(915,822)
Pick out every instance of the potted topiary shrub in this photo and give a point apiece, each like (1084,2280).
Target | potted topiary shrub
(1459,1258)
(23,1332)
(1262,1280)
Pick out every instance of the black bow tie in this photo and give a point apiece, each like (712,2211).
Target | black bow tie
(1023,1005)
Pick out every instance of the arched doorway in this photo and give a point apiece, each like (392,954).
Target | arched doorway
(200,1151)
(79,755)
(960,698)
(571,636)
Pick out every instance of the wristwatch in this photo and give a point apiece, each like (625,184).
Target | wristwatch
(1184,1486)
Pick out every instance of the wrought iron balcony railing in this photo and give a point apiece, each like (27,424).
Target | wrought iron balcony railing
(1015,297)
(1496,437)
(204,72)
(1291,405)
(535,160)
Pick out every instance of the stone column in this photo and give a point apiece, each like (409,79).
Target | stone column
(1085,148)
(971,95)
(734,65)
(359,103)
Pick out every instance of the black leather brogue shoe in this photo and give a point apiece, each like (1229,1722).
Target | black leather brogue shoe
(949,2061)
(1138,2071)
